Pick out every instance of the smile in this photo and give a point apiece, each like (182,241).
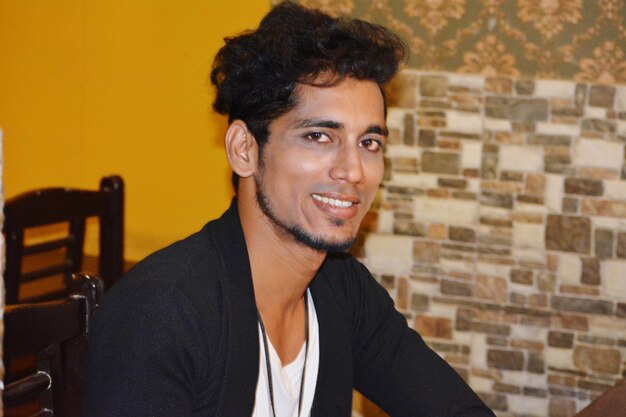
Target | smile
(333,202)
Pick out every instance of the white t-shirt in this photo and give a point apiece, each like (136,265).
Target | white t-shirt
(286,379)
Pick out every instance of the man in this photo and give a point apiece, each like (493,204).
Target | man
(260,313)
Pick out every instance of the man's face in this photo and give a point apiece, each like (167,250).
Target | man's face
(323,162)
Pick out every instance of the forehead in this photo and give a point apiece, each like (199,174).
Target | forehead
(349,101)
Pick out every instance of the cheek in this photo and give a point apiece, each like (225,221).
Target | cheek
(375,172)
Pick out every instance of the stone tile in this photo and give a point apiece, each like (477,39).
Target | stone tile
(580,95)
(550,140)
(490,328)
(437,231)
(607,208)
(441,162)
(402,294)
(506,388)
(462,234)
(581,305)
(449,287)
(521,158)
(511,138)
(530,199)
(599,153)
(525,87)
(457,183)
(535,183)
(596,340)
(602,96)
(502,186)
(511,176)
(433,86)
(578,290)
(435,210)
(535,392)
(389,253)
(426,138)
(409,129)
(555,88)
(558,129)
(595,127)
(568,233)
(560,339)
(561,407)
(571,322)
(520,276)
(604,243)
(517,299)
(615,189)
(505,359)
(570,205)
(408,228)
(536,363)
(621,310)
(590,271)
(489,166)
(583,186)
(621,245)
(401,164)
(471,155)
(419,302)
(496,199)
(596,359)
(538,300)
(598,387)
(525,110)
(491,288)
(496,402)
(428,326)
(546,282)
(599,173)
(613,272)
(426,251)
(499,85)
(570,268)
(449,144)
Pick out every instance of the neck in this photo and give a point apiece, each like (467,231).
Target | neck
(282,269)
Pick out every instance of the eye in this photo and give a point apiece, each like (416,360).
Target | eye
(317,137)
(372,145)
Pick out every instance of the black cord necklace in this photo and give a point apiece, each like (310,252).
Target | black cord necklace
(268,364)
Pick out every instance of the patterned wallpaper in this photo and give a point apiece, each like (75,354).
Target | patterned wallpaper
(581,40)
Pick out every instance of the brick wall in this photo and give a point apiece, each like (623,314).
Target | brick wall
(500,231)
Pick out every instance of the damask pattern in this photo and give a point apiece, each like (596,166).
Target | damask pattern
(582,40)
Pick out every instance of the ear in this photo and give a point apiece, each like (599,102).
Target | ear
(241,149)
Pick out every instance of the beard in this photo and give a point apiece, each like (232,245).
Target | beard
(316,242)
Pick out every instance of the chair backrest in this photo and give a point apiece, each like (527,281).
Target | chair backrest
(56,333)
(59,205)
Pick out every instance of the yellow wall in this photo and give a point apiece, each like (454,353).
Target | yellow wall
(94,87)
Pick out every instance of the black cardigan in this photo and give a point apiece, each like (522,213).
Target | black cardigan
(177,336)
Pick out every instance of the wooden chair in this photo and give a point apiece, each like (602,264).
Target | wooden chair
(56,333)
(64,205)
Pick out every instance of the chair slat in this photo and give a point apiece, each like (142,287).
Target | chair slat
(48,271)
(26,388)
(48,246)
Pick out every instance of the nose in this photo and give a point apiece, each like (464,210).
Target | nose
(348,165)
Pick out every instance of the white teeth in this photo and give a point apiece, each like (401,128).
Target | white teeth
(333,202)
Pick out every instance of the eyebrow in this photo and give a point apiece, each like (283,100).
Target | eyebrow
(330,124)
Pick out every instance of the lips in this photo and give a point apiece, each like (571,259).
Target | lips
(335,202)
(335,206)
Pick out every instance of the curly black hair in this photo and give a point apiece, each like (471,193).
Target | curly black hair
(256,73)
